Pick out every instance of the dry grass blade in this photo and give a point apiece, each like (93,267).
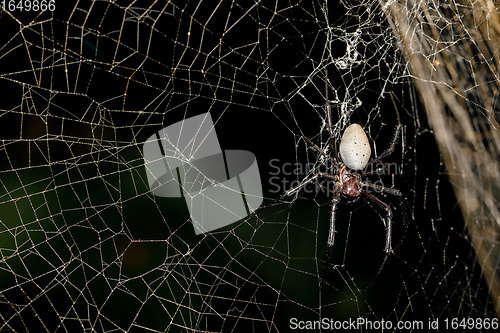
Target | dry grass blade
(453,53)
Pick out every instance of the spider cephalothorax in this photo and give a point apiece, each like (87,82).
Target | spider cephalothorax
(350,183)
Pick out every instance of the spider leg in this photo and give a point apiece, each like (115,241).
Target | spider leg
(304,183)
(371,169)
(328,108)
(331,232)
(379,188)
(335,200)
(389,150)
(321,151)
(388,219)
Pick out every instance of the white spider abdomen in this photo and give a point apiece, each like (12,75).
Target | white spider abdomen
(355,148)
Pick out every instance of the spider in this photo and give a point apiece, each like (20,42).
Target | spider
(348,172)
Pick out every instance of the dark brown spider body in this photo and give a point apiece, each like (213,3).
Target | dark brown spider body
(350,183)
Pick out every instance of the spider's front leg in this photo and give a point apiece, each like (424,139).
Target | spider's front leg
(388,219)
(335,200)
(304,183)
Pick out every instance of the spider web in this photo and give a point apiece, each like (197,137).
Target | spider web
(85,245)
